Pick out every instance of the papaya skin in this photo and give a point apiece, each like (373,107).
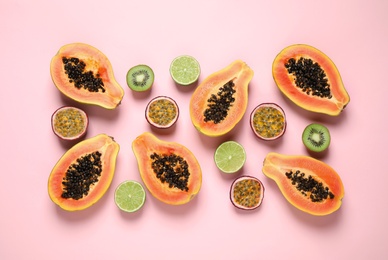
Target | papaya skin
(285,82)
(96,62)
(145,145)
(109,150)
(276,165)
(241,74)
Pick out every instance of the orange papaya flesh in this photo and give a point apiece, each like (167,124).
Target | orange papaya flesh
(220,101)
(169,170)
(84,74)
(307,183)
(84,173)
(317,74)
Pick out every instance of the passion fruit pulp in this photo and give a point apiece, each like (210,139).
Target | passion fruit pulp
(162,112)
(268,121)
(69,123)
(247,192)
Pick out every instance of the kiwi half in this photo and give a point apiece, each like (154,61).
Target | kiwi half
(316,137)
(140,78)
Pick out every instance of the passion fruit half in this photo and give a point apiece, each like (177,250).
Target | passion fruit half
(247,193)
(162,112)
(268,121)
(69,123)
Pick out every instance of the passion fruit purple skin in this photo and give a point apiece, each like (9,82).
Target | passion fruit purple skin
(155,124)
(81,133)
(239,179)
(273,105)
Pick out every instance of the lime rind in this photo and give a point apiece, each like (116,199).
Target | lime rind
(185,70)
(130,196)
(230,157)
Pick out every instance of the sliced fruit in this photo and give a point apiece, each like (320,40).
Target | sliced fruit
(230,157)
(162,112)
(69,123)
(185,70)
(130,196)
(307,183)
(268,121)
(84,73)
(310,79)
(220,101)
(169,170)
(247,192)
(140,78)
(84,173)
(316,137)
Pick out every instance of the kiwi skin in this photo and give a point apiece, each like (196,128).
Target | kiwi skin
(316,137)
(140,70)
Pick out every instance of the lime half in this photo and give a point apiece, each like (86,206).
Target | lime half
(130,196)
(230,157)
(185,70)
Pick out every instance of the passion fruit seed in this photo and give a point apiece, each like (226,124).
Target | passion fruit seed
(219,105)
(69,122)
(162,111)
(75,70)
(309,187)
(309,76)
(81,175)
(247,193)
(268,122)
(171,168)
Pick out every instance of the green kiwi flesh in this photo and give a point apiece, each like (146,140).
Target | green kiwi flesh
(316,137)
(140,78)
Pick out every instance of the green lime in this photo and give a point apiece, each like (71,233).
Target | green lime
(130,196)
(185,70)
(230,157)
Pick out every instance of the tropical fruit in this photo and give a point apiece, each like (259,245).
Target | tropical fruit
(220,101)
(310,79)
(83,73)
(169,170)
(247,192)
(69,123)
(230,157)
(140,78)
(185,70)
(162,112)
(307,183)
(268,121)
(130,196)
(316,137)
(84,173)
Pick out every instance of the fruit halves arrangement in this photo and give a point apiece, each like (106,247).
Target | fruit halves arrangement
(169,170)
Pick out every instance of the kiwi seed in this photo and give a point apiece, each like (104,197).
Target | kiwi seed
(140,78)
(316,137)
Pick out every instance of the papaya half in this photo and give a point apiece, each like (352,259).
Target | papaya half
(84,74)
(84,173)
(307,183)
(310,79)
(220,101)
(169,170)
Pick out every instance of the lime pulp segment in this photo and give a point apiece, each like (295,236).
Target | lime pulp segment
(130,196)
(185,70)
(230,157)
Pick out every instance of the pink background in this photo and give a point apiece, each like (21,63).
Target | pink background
(352,33)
